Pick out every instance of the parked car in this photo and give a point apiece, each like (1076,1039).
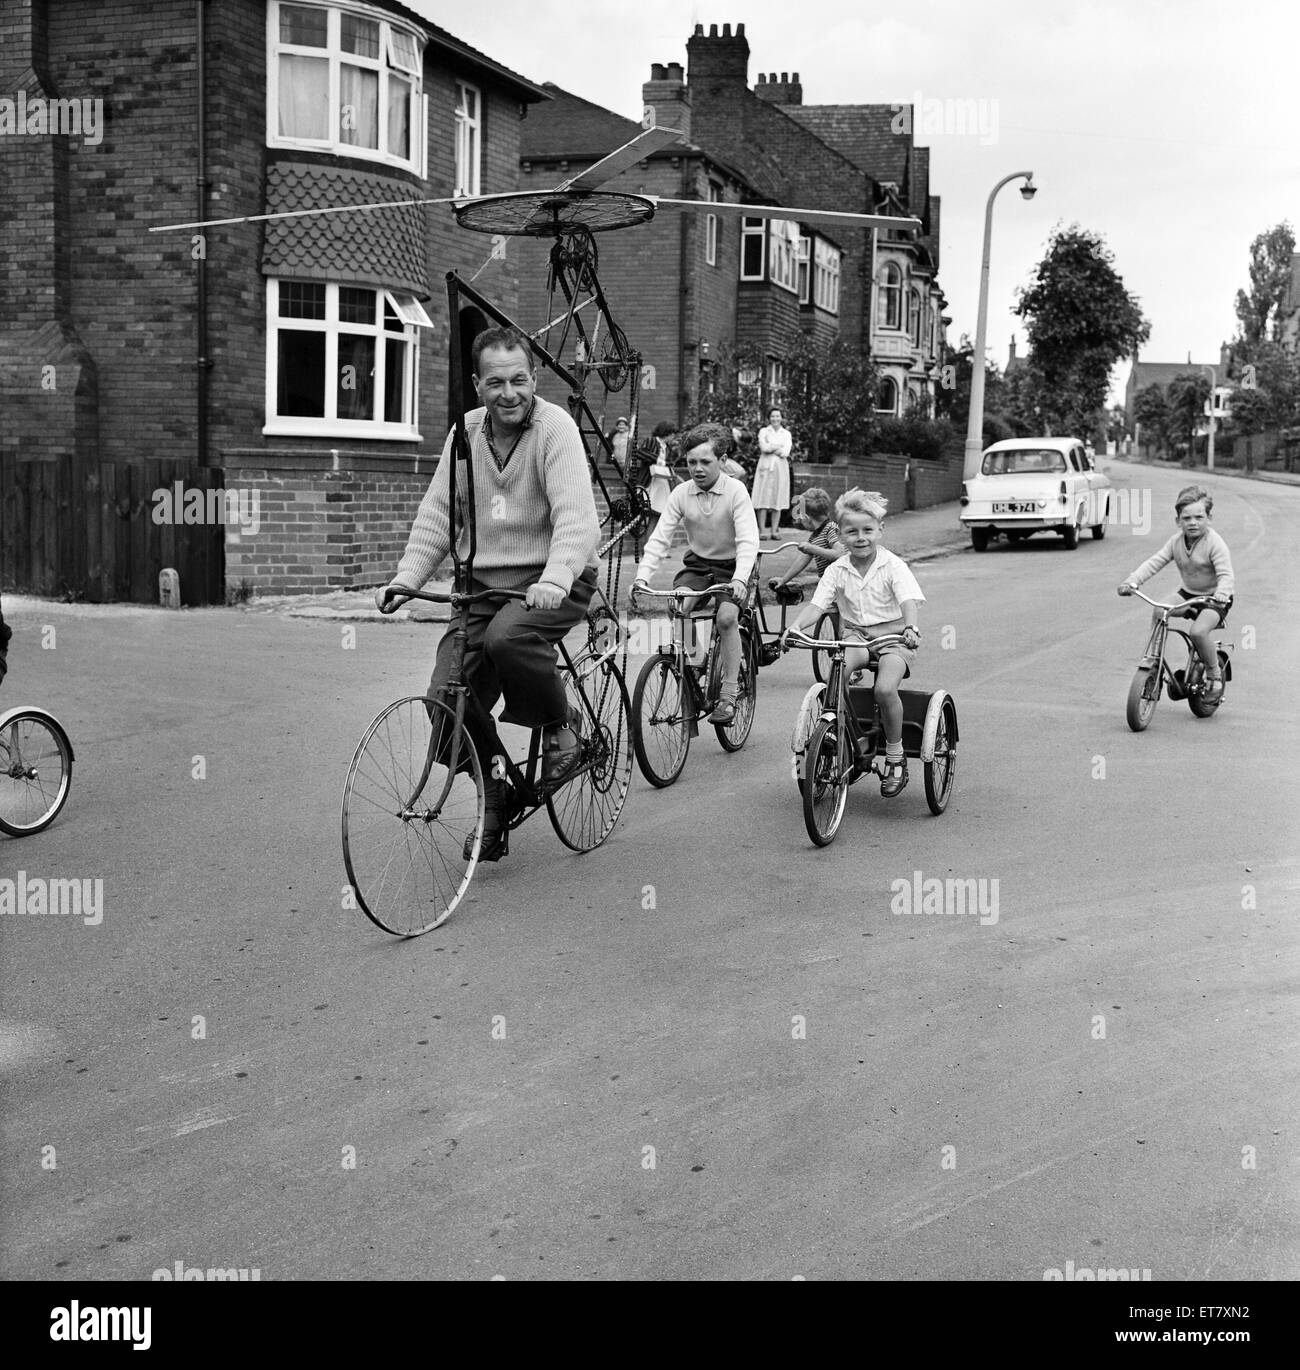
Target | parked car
(1034,485)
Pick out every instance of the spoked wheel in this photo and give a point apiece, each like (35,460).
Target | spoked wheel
(35,771)
(732,735)
(1196,700)
(826,628)
(584,810)
(407,822)
(826,781)
(940,771)
(661,731)
(1143,696)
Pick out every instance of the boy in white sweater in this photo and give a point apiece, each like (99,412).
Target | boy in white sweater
(722,546)
(1201,556)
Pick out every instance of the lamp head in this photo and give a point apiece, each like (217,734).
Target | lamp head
(1028,190)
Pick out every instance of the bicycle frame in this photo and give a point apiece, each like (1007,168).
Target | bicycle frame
(1154,654)
(694,673)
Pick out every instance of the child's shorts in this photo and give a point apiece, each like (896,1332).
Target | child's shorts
(701,573)
(1223,613)
(855,632)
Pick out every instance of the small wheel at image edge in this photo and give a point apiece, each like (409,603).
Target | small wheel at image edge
(406,863)
(35,772)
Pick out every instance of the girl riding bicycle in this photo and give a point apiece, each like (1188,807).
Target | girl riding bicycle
(1205,565)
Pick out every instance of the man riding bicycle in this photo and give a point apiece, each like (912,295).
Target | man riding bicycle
(537,532)
(722,546)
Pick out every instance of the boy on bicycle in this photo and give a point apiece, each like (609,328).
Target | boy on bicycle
(722,547)
(1202,558)
(875,593)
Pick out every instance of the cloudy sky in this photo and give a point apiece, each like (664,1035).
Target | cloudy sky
(1170,127)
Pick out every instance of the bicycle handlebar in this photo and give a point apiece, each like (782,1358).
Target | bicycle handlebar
(636,590)
(771,551)
(801,639)
(394,599)
(1202,601)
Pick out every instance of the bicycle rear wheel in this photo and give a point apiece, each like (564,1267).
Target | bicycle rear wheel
(734,734)
(940,771)
(35,771)
(826,781)
(583,810)
(827,626)
(1143,696)
(661,728)
(408,822)
(1196,700)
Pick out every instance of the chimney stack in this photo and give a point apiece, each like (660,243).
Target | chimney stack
(666,93)
(718,57)
(779,91)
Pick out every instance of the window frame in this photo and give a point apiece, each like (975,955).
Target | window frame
(914,316)
(390,66)
(889,309)
(804,268)
(878,407)
(711,227)
(783,241)
(750,230)
(469,129)
(826,269)
(412,316)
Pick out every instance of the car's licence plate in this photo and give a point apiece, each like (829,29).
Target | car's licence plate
(1015,507)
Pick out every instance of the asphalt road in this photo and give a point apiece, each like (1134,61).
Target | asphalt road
(1106,1074)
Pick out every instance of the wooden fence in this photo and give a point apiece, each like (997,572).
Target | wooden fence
(85,530)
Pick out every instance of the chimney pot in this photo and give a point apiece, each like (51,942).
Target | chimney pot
(785,78)
(762,80)
(796,78)
(740,30)
(713,30)
(726,30)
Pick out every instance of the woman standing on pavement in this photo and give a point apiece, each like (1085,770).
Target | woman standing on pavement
(771,494)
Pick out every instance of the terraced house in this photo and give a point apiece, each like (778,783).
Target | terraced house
(304,360)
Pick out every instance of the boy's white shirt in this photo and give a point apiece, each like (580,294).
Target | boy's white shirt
(873,596)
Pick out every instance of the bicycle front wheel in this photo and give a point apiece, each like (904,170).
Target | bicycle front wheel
(583,811)
(35,772)
(1143,696)
(662,733)
(826,781)
(412,830)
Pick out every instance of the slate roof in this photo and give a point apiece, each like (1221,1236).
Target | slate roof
(384,248)
(569,128)
(862,133)
(1161,373)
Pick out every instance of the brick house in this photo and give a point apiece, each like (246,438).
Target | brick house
(301,361)
(1144,374)
(722,286)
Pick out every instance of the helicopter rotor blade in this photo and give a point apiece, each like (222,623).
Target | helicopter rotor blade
(622,159)
(837,218)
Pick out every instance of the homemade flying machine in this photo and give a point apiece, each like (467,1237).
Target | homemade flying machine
(571,214)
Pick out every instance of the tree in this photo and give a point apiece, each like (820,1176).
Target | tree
(1186,397)
(830,396)
(1151,413)
(1274,400)
(1259,309)
(1081,321)
(954,404)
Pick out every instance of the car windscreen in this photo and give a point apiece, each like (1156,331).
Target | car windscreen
(1023,461)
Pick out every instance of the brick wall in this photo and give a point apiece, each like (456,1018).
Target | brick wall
(930,482)
(320,529)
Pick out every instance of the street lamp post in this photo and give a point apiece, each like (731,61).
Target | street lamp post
(1209,406)
(975,421)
